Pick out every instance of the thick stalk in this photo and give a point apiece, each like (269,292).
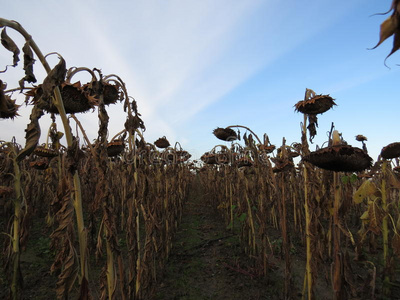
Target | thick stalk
(385,230)
(253,231)
(110,269)
(16,229)
(285,242)
(231,206)
(337,263)
(308,274)
(138,260)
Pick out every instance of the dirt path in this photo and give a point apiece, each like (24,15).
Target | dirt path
(206,261)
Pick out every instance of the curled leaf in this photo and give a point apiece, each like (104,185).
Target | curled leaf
(55,77)
(28,65)
(396,42)
(9,44)
(391,26)
(32,135)
(388,28)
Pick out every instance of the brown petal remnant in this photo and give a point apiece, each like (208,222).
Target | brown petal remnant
(45,152)
(74,98)
(316,105)
(162,142)
(115,148)
(340,158)
(8,108)
(391,151)
(225,134)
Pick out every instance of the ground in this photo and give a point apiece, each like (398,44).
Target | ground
(207,263)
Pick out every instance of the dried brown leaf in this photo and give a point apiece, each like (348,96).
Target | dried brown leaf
(55,77)
(375,218)
(28,65)
(388,28)
(366,189)
(396,42)
(32,135)
(9,44)
(68,274)
(8,108)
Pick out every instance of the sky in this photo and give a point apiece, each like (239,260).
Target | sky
(193,66)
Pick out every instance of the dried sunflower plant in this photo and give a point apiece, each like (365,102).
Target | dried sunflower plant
(330,206)
(111,207)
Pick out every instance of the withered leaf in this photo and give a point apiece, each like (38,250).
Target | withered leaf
(393,180)
(367,189)
(9,44)
(388,28)
(32,135)
(391,26)
(55,77)
(134,122)
(28,65)
(396,42)
(375,218)
(8,108)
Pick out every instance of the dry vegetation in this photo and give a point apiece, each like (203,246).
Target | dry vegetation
(111,207)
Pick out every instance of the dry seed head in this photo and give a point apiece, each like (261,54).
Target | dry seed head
(115,148)
(340,158)
(225,134)
(209,158)
(266,149)
(75,100)
(162,143)
(8,108)
(391,151)
(360,138)
(316,105)
(45,152)
(244,162)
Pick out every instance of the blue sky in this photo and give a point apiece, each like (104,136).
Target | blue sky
(193,66)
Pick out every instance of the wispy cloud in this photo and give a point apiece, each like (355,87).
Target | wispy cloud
(178,57)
